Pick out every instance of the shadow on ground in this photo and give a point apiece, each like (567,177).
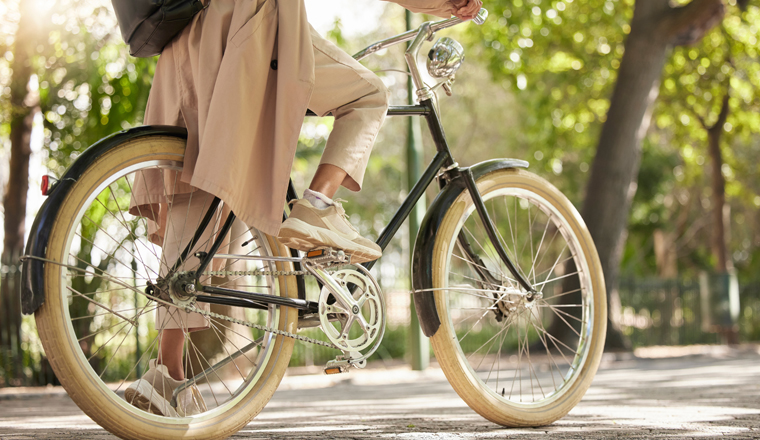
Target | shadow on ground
(710,395)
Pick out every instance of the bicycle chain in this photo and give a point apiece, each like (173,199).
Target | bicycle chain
(258,326)
(254,273)
(261,327)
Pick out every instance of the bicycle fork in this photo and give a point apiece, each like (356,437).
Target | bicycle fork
(480,207)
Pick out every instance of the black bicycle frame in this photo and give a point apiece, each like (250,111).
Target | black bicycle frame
(442,159)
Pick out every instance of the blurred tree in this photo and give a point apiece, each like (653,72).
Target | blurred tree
(709,97)
(23,103)
(655,28)
(90,87)
(571,35)
(560,58)
(66,64)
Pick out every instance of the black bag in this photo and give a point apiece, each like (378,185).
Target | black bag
(148,25)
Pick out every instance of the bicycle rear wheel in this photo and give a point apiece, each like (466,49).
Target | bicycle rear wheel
(515,359)
(98,325)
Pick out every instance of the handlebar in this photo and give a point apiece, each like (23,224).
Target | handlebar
(412,34)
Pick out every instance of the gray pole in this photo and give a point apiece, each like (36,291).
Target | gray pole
(419,344)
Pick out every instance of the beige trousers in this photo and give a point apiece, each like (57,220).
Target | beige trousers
(357,99)
(182,219)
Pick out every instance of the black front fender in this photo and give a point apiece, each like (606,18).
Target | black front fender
(422,258)
(32,270)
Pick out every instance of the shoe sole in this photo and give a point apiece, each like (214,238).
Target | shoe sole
(304,237)
(143,396)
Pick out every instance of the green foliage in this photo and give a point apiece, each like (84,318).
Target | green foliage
(89,89)
(88,86)
(560,59)
(536,86)
(694,83)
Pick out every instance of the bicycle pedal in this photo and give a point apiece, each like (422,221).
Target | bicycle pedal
(337,367)
(328,255)
(335,370)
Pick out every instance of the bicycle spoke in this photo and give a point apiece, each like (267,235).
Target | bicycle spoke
(501,329)
(483,267)
(486,253)
(120,344)
(538,252)
(124,223)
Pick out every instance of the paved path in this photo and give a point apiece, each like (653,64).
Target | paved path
(703,392)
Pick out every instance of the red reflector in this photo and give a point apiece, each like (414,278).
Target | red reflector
(45,185)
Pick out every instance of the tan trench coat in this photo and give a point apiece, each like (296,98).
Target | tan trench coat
(243,113)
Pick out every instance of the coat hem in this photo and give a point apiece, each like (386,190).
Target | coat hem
(268,228)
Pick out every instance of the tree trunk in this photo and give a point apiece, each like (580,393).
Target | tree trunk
(14,200)
(720,210)
(667,269)
(655,27)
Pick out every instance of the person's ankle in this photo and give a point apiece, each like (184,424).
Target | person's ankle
(317,199)
(175,373)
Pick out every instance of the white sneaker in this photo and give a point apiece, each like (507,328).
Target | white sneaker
(309,228)
(153,393)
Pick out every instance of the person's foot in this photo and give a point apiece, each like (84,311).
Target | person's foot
(309,228)
(153,393)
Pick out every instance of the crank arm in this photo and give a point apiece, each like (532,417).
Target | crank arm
(311,320)
(340,293)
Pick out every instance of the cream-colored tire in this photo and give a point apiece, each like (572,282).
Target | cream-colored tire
(517,360)
(98,324)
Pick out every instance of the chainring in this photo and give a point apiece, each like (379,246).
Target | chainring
(357,326)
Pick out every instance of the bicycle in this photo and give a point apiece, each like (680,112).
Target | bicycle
(502,265)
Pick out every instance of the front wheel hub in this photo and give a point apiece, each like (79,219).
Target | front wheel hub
(510,300)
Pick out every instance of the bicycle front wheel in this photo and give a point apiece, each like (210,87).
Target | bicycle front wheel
(98,324)
(518,359)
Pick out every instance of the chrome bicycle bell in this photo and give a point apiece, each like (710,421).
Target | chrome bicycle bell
(444,58)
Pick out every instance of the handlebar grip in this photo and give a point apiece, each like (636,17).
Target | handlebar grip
(481,17)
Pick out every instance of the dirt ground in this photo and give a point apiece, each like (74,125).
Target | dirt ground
(678,393)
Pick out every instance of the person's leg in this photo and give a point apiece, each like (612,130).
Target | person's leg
(358,100)
(327,179)
(170,351)
(181,223)
(155,389)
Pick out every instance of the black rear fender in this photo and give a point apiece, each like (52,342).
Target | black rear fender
(33,270)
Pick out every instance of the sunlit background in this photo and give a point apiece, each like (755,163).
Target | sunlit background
(536,85)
